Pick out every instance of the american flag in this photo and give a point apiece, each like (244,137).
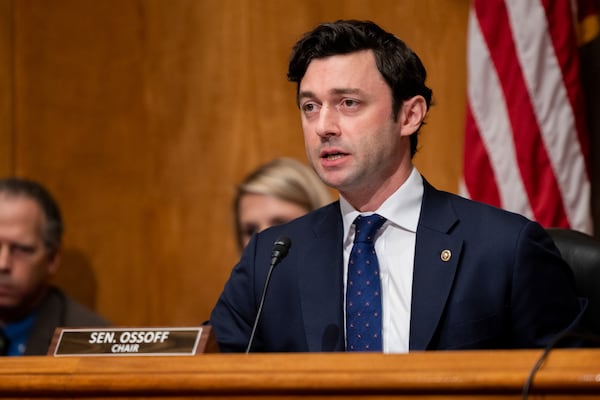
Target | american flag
(526,142)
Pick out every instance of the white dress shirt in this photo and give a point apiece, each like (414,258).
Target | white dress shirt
(395,247)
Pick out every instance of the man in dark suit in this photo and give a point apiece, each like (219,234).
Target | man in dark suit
(30,239)
(451,273)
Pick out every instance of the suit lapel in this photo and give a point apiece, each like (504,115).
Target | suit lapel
(321,285)
(321,269)
(436,260)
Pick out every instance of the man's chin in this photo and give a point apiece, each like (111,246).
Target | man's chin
(8,305)
(332,179)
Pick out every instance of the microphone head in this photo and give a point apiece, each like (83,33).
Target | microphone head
(281,247)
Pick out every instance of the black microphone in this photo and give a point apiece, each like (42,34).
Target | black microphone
(280,250)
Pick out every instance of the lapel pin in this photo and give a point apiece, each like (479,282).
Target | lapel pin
(446,255)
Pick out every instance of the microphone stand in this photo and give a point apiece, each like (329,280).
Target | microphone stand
(280,249)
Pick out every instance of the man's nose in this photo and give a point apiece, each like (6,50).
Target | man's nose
(328,124)
(4,257)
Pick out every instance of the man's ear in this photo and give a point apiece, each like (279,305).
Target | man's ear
(53,261)
(412,114)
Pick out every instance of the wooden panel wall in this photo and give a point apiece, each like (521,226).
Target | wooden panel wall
(141,115)
(6,87)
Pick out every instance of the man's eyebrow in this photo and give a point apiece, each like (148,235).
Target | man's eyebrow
(345,91)
(309,94)
(306,94)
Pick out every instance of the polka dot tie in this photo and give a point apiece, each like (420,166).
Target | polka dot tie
(363,288)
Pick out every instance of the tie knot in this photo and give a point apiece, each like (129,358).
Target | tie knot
(367,227)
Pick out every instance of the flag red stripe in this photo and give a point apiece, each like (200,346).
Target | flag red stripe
(534,164)
(562,32)
(477,166)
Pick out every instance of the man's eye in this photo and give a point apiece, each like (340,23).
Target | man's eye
(308,107)
(350,103)
(23,249)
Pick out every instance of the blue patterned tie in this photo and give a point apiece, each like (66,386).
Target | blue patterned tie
(363,288)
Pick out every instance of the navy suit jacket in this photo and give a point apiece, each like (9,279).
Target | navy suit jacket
(504,286)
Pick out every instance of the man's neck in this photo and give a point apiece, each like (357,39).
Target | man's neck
(9,315)
(369,198)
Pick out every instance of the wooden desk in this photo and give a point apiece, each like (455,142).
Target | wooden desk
(566,374)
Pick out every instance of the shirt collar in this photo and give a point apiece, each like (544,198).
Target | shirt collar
(402,208)
(17,334)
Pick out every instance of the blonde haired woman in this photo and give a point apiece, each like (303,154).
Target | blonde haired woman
(274,193)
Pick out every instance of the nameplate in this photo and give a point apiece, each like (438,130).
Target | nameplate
(129,341)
